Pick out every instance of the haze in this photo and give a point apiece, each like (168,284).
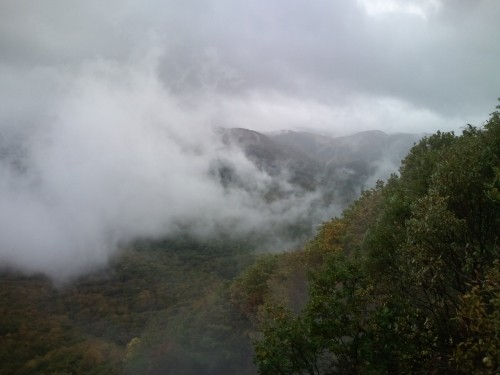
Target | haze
(107,110)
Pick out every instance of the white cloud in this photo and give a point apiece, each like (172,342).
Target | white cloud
(419,8)
(274,111)
(111,156)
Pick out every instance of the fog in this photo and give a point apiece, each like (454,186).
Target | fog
(108,111)
(111,155)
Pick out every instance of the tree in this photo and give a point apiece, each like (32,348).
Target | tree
(409,281)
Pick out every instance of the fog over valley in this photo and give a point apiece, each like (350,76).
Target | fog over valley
(240,187)
(112,155)
(109,112)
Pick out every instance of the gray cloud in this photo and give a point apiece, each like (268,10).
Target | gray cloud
(328,52)
(323,51)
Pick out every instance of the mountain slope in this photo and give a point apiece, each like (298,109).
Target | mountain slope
(337,168)
(405,281)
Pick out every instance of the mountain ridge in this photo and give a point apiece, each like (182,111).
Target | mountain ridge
(314,162)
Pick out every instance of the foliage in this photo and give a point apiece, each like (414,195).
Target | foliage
(409,281)
(479,320)
(159,304)
(287,346)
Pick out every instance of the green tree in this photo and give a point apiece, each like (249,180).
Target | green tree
(410,276)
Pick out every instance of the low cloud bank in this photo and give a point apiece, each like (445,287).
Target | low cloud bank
(97,157)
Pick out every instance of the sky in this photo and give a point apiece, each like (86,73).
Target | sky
(336,66)
(107,107)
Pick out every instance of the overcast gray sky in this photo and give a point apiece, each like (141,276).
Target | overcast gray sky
(332,65)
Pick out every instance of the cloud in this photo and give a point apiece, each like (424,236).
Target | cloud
(417,8)
(107,109)
(432,55)
(360,113)
(114,156)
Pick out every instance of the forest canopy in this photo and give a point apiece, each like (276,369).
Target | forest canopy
(407,280)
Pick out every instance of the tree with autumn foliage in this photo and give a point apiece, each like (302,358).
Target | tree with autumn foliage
(409,281)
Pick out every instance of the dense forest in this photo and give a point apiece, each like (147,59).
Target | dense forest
(161,307)
(406,280)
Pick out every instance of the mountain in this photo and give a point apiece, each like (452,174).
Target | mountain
(368,146)
(339,168)
(275,158)
(406,280)
(171,305)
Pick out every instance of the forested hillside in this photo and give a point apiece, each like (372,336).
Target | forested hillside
(161,307)
(407,280)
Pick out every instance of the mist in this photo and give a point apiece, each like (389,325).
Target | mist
(109,112)
(105,155)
